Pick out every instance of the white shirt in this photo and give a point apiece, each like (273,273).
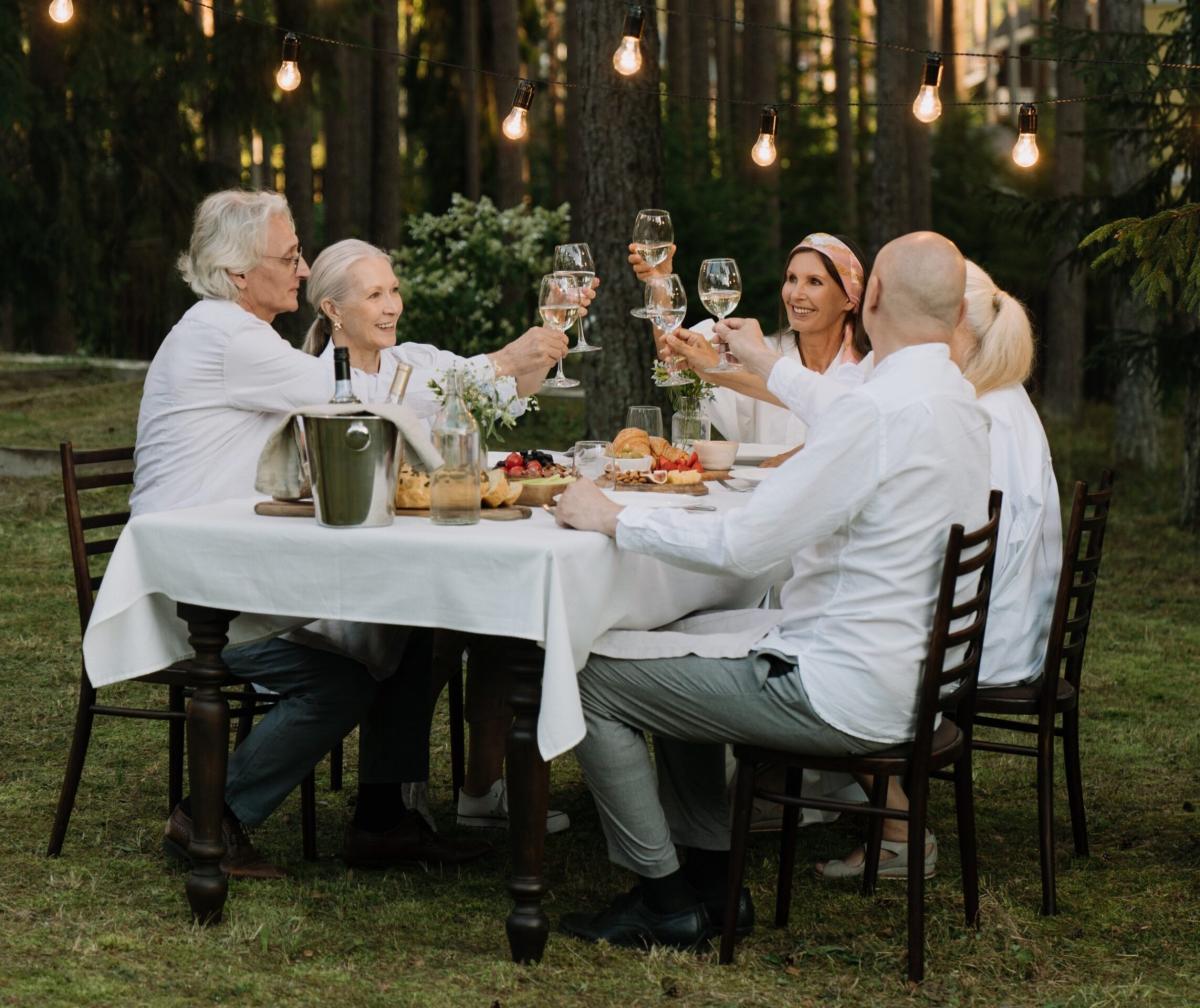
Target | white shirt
(886,470)
(1029,547)
(213,395)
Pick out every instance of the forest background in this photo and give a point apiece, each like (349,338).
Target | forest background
(113,127)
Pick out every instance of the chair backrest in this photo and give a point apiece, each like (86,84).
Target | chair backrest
(955,626)
(1082,547)
(84,471)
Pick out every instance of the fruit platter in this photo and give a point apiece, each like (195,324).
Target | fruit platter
(537,475)
(669,469)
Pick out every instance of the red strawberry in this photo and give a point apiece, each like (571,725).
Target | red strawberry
(534,468)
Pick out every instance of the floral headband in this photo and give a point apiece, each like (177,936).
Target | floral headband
(845,262)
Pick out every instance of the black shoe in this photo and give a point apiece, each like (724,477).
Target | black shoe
(629,922)
(410,842)
(716,915)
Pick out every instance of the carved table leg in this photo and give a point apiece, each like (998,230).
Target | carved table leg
(208,753)
(528,796)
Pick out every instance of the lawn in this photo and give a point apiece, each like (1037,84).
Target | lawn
(106,923)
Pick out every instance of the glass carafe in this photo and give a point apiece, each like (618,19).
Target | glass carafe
(454,488)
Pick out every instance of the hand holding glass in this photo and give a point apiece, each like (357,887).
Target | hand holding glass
(720,289)
(653,235)
(666,305)
(558,304)
(576,259)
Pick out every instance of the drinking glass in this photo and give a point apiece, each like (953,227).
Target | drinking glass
(576,259)
(666,304)
(594,459)
(720,289)
(648,418)
(558,304)
(653,235)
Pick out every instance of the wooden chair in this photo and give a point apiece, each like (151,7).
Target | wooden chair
(1057,694)
(947,744)
(82,472)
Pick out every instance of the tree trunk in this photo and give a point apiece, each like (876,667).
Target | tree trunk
(890,212)
(726,120)
(385,152)
(1137,399)
(920,211)
(337,110)
(1190,511)
(699,34)
(359,108)
(863,112)
(679,112)
(296,126)
(506,56)
(949,44)
(1066,294)
(847,181)
(470,83)
(620,153)
(760,72)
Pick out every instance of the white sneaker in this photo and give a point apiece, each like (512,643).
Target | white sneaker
(490,811)
(416,797)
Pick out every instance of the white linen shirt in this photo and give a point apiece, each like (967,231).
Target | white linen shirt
(886,471)
(212,397)
(1029,545)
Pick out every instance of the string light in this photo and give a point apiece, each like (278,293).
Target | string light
(1025,151)
(516,124)
(288,75)
(928,104)
(61,11)
(763,151)
(627,60)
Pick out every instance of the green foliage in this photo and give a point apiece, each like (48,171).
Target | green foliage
(469,276)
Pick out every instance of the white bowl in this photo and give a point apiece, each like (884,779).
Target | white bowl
(635,464)
(715,455)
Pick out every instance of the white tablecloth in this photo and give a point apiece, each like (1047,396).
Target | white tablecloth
(525,579)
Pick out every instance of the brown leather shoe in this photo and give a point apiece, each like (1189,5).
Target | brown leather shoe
(241,860)
(410,842)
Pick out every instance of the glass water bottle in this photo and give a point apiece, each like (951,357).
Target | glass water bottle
(454,488)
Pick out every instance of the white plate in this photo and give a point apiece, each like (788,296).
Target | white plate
(752,454)
(751,474)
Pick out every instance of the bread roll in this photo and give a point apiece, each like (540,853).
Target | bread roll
(632,442)
(412,489)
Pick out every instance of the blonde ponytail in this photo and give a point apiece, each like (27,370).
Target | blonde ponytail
(1003,348)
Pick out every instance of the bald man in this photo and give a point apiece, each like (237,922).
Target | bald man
(887,469)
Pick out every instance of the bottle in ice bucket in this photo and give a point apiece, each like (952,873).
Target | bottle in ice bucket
(343,391)
(454,488)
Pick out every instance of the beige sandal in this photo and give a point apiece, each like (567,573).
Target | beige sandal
(896,867)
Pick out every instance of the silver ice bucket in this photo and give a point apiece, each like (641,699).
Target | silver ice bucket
(352,462)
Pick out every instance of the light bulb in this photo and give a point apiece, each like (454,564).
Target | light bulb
(1025,151)
(928,104)
(627,60)
(763,151)
(515,125)
(62,11)
(288,75)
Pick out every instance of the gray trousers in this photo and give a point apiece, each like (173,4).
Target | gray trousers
(322,696)
(693,706)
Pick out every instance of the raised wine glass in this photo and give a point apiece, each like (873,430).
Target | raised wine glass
(653,235)
(720,289)
(666,305)
(558,304)
(576,259)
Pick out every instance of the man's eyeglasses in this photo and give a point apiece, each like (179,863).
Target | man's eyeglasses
(292,260)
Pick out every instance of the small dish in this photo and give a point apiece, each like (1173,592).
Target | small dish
(641,464)
(715,455)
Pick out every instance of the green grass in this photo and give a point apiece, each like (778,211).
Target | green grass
(106,924)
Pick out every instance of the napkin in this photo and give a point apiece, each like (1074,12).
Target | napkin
(279,464)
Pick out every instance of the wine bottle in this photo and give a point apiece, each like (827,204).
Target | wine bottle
(343,391)
(399,384)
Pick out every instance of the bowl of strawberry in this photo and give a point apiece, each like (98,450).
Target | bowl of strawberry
(530,464)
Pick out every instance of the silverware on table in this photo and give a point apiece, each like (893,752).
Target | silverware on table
(736,489)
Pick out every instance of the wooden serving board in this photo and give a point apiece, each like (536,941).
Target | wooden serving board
(691,489)
(305,509)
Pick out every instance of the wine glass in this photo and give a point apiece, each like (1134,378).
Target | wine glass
(647,418)
(558,304)
(576,259)
(593,459)
(720,288)
(653,235)
(666,304)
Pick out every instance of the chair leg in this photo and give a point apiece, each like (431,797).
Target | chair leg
(964,807)
(874,836)
(787,848)
(335,767)
(308,816)
(74,771)
(458,747)
(1070,738)
(743,805)
(917,804)
(175,733)
(1045,793)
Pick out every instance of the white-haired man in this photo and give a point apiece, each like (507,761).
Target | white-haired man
(886,470)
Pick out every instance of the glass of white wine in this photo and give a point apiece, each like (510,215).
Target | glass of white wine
(666,305)
(576,259)
(653,235)
(720,289)
(558,304)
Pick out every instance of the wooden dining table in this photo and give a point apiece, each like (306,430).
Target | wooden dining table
(186,583)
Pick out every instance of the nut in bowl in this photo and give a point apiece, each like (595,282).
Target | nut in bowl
(641,464)
(715,455)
